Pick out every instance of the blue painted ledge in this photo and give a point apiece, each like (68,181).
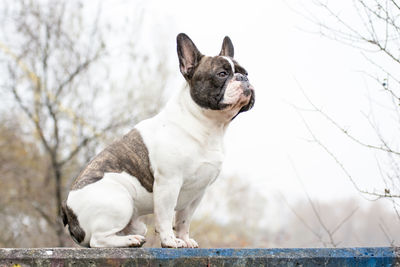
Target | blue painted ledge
(385,256)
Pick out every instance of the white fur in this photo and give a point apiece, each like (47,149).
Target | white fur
(185,144)
(230,62)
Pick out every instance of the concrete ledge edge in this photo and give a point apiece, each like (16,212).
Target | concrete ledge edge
(367,256)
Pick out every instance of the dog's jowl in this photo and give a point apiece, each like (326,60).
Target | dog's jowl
(165,164)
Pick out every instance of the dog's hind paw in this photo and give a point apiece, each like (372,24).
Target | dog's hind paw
(136,240)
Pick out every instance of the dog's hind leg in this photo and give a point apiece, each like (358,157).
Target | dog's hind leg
(135,227)
(107,208)
(111,230)
(99,240)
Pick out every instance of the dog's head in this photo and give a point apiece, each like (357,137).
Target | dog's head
(216,83)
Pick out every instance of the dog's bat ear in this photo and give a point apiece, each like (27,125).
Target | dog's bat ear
(227,49)
(188,54)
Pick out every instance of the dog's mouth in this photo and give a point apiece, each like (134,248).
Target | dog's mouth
(250,104)
(250,95)
(240,96)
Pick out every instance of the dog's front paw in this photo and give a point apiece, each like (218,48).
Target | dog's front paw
(173,243)
(190,243)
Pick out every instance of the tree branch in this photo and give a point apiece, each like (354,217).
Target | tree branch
(81,67)
(47,218)
(343,130)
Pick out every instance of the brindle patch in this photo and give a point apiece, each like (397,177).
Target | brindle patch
(70,218)
(128,154)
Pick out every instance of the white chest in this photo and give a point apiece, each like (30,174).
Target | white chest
(204,170)
(202,174)
(177,153)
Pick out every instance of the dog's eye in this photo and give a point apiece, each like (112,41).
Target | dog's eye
(222,74)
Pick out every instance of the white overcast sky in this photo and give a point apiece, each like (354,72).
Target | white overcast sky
(273,43)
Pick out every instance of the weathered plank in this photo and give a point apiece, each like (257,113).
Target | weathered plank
(344,257)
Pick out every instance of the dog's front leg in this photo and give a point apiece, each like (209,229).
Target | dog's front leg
(182,222)
(165,196)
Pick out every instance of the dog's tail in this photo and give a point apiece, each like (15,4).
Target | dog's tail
(69,217)
(64,213)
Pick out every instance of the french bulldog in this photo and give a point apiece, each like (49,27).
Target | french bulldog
(166,163)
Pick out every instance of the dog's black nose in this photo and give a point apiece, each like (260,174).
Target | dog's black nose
(240,77)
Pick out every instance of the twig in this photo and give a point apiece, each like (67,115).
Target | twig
(382,226)
(316,234)
(343,130)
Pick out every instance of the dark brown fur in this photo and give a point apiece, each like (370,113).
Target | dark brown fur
(128,154)
(69,217)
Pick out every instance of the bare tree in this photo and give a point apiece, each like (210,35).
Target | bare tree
(22,186)
(371,225)
(54,56)
(326,236)
(371,27)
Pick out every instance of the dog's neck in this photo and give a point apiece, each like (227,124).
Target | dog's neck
(205,125)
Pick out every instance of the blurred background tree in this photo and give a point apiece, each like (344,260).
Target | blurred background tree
(23,193)
(372,28)
(64,102)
